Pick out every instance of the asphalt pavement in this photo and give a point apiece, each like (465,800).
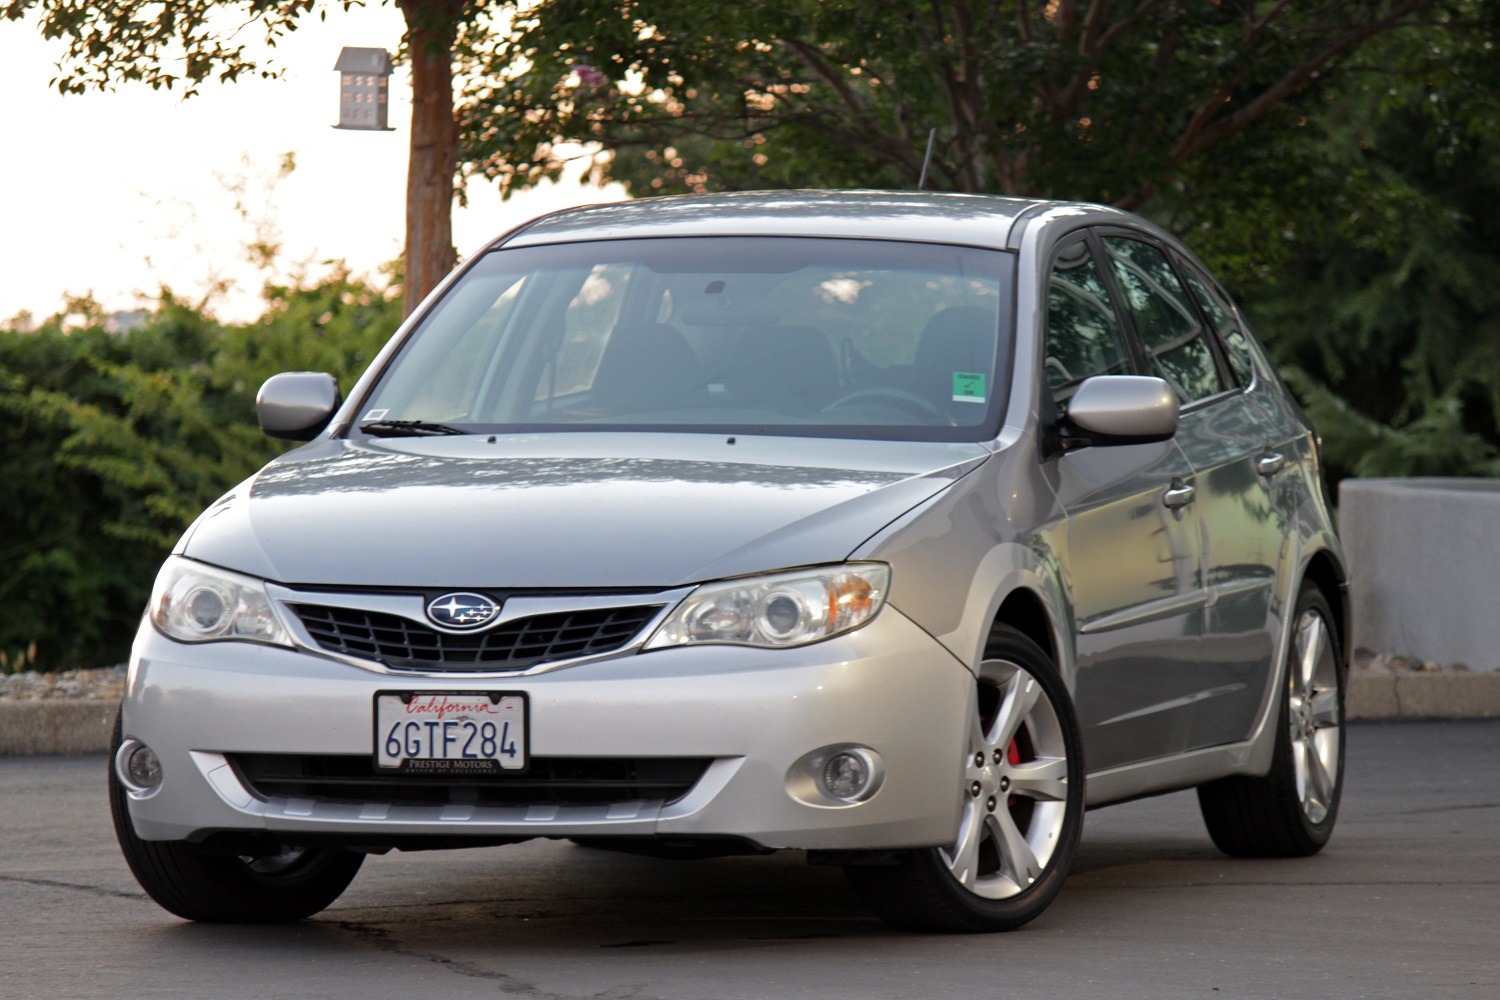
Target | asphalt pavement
(1404,903)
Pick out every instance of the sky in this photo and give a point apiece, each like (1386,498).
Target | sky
(119,194)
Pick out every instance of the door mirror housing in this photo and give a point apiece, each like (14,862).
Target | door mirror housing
(297,405)
(1121,409)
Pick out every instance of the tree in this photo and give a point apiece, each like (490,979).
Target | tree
(1105,100)
(186,43)
(433,28)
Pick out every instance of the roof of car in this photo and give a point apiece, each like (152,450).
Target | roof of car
(976,220)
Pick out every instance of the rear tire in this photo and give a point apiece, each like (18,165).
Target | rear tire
(1290,812)
(1017,834)
(281,888)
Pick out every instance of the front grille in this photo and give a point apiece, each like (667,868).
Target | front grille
(513,645)
(548,780)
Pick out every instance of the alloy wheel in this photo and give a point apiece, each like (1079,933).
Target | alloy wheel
(1015,786)
(1313,716)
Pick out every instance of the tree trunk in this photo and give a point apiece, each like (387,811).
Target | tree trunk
(431,27)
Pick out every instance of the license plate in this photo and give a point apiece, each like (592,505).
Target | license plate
(450,732)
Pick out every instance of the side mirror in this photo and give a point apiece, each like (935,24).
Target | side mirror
(297,405)
(1121,409)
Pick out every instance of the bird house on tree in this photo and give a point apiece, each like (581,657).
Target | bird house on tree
(364,89)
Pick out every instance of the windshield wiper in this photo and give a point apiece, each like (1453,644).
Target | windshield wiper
(407,428)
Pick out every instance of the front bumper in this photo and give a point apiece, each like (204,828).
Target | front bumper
(753,712)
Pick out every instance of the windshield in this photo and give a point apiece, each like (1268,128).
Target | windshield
(828,337)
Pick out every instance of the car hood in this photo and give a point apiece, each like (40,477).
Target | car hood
(565,510)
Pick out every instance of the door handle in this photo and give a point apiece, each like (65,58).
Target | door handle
(1270,463)
(1178,495)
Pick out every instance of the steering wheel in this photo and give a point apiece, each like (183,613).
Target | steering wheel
(905,398)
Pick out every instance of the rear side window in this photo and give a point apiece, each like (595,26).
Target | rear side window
(1165,318)
(1083,334)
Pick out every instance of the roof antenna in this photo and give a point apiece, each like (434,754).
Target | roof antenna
(926,160)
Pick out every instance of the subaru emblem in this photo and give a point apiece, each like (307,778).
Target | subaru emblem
(463,610)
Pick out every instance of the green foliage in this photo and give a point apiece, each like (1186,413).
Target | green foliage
(1384,306)
(115,442)
(165,45)
(66,588)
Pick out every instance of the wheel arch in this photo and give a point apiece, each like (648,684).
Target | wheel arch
(1325,571)
(1322,566)
(1024,610)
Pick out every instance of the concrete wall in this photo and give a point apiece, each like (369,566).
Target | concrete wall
(1424,562)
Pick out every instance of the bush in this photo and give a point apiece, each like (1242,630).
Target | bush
(114,442)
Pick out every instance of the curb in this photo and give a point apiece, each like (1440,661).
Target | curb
(31,728)
(81,726)
(1449,695)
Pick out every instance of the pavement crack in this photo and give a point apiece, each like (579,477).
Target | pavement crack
(380,938)
(1236,884)
(1464,807)
(636,944)
(93,890)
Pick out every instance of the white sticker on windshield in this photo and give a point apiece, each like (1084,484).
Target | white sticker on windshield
(374,415)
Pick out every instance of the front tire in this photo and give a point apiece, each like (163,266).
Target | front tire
(271,889)
(1290,812)
(1022,811)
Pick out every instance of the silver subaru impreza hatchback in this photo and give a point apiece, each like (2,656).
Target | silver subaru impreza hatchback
(895,528)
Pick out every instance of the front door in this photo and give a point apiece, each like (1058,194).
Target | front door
(1132,545)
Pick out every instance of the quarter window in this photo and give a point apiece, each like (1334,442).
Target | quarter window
(1165,318)
(1083,333)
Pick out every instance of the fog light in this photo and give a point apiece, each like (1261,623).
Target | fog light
(143,767)
(836,777)
(846,775)
(138,766)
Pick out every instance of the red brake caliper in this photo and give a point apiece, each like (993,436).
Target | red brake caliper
(1014,756)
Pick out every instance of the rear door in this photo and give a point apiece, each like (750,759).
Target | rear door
(1248,537)
(1223,433)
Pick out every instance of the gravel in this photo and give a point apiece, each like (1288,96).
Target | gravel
(1396,663)
(105,684)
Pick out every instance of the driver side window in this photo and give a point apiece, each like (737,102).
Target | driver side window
(1083,333)
(1164,317)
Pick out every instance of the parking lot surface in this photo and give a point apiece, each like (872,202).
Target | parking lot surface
(1404,903)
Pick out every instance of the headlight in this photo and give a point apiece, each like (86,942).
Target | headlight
(197,603)
(784,609)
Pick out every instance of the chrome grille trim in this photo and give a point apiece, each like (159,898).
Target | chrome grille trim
(412,607)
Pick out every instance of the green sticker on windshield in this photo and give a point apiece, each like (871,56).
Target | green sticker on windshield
(968,387)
